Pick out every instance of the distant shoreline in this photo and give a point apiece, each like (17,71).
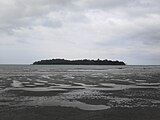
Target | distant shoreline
(78,62)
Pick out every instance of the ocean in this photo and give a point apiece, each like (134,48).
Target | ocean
(41,92)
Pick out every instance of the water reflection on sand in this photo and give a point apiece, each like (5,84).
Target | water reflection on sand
(83,87)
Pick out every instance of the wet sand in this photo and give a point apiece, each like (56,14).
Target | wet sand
(80,93)
(65,113)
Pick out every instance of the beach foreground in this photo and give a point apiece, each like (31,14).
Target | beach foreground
(65,113)
(79,92)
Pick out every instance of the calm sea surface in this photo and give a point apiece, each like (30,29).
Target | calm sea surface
(87,87)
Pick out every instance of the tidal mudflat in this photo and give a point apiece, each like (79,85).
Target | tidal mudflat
(91,92)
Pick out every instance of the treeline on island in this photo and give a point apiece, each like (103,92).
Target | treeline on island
(78,62)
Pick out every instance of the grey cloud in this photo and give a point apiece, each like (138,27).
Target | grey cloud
(95,4)
(21,13)
(53,24)
(15,11)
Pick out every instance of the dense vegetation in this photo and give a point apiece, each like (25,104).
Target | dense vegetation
(78,62)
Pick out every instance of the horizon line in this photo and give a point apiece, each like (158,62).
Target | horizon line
(79,65)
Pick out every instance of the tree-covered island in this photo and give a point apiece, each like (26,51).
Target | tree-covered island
(78,62)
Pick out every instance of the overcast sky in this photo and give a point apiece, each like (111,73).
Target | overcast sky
(127,30)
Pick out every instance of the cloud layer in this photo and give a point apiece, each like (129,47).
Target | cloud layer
(126,30)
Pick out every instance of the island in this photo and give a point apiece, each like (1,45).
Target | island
(78,62)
